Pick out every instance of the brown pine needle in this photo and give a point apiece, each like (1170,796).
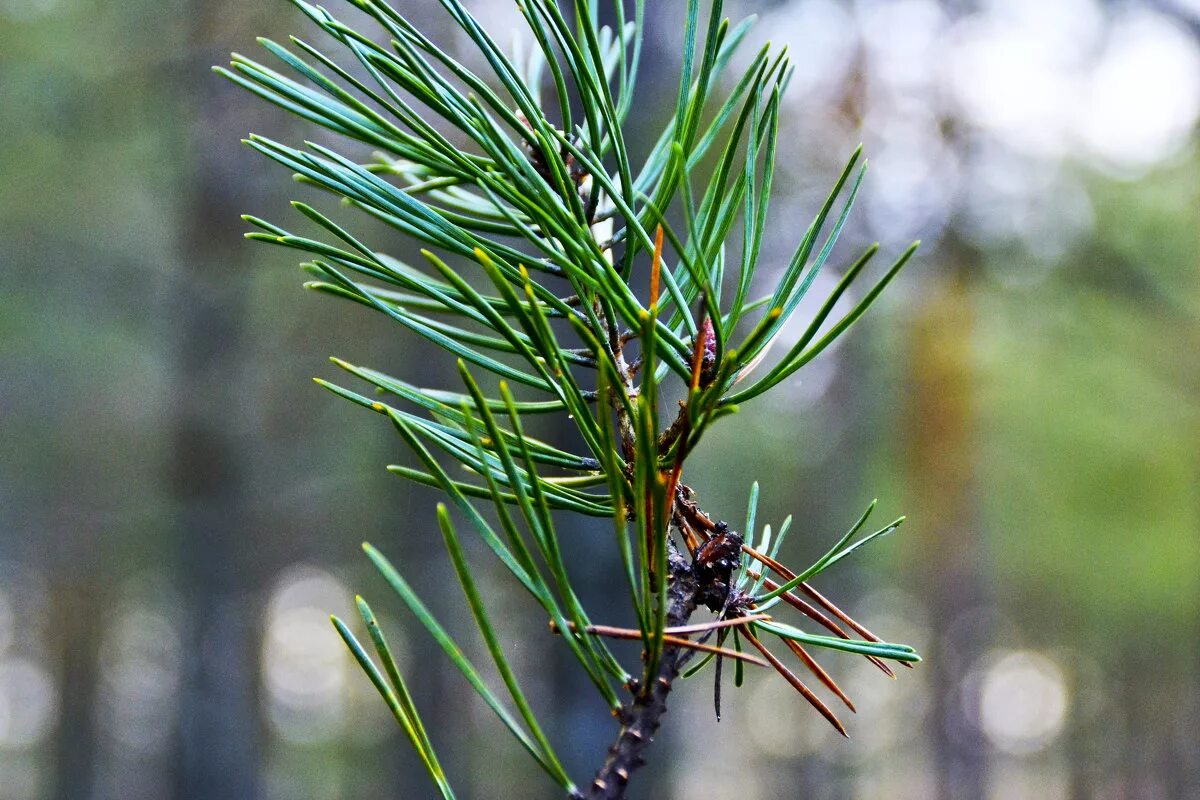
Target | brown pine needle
(656,268)
(808,610)
(679,641)
(674,641)
(693,541)
(765,559)
(799,686)
(701,627)
(681,448)
(698,356)
(844,617)
(819,671)
(813,613)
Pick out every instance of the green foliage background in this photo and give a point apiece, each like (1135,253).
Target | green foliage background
(1081,466)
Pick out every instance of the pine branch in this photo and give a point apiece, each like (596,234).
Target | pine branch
(542,203)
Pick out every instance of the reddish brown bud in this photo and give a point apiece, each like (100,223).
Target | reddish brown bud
(708,366)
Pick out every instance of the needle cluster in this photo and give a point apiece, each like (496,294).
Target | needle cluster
(512,170)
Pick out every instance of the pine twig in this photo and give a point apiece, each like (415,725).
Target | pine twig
(642,716)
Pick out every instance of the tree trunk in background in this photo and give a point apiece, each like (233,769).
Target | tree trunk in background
(219,731)
(1183,771)
(78,631)
(940,456)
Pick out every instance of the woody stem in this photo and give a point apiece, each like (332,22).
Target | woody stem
(642,715)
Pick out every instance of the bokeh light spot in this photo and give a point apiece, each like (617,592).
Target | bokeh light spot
(28,704)
(304,666)
(1023,701)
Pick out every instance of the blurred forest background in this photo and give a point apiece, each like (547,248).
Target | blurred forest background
(181,508)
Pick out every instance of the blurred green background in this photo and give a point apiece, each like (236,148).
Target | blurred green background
(181,508)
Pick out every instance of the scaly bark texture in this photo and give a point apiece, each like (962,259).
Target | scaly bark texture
(641,717)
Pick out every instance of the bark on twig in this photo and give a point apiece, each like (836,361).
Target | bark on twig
(641,717)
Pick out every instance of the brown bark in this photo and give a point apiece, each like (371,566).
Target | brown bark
(941,456)
(642,716)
